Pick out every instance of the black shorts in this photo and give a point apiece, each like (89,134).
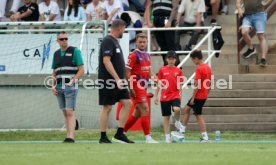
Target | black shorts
(166,106)
(197,107)
(112,96)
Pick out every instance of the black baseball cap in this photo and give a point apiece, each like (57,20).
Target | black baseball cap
(171,53)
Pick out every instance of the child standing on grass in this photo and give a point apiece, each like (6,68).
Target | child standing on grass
(202,84)
(168,77)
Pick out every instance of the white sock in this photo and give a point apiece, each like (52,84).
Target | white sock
(168,136)
(204,135)
(148,137)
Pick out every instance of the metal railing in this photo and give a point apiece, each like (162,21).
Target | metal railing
(82,28)
(208,36)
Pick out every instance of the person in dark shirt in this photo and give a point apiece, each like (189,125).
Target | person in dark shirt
(253,16)
(111,80)
(28,12)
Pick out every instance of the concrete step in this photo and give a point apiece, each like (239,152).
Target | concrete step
(241,102)
(248,77)
(245,118)
(270,69)
(255,59)
(188,68)
(225,58)
(242,94)
(238,110)
(244,127)
(232,39)
(272,19)
(252,86)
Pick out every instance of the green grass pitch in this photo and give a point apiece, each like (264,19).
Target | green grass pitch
(137,154)
(45,148)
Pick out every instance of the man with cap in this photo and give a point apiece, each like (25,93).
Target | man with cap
(169,81)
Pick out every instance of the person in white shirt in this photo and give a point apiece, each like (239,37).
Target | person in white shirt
(74,11)
(193,17)
(49,11)
(91,10)
(113,8)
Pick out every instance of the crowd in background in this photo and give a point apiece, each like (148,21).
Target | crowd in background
(136,13)
(87,10)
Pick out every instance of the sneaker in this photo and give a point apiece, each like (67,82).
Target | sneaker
(168,140)
(122,138)
(179,127)
(213,21)
(204,140)
(177,137)
(151,141)
(263,62)
(104,140)
(249,53)
(68,140)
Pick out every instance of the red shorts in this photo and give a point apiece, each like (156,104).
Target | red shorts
(141,95)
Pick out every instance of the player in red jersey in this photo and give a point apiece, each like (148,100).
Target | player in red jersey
(170,77)
(202,88)
(138,71)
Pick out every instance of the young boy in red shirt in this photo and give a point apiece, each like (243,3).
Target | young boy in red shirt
(202,84)
(169,78)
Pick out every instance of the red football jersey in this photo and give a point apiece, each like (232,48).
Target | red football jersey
(171,75)
(203,76)
(140,65)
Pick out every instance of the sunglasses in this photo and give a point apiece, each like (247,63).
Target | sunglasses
(63,39)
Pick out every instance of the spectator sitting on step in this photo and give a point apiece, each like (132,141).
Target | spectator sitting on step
(164,13)
(193,17)
(74,11)
(253,16)
(49,11)
(132,20)
(113,8)
(91,10)
(27,12)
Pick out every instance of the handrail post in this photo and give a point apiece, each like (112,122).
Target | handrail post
(209,46)
(238,38)
(149,40)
